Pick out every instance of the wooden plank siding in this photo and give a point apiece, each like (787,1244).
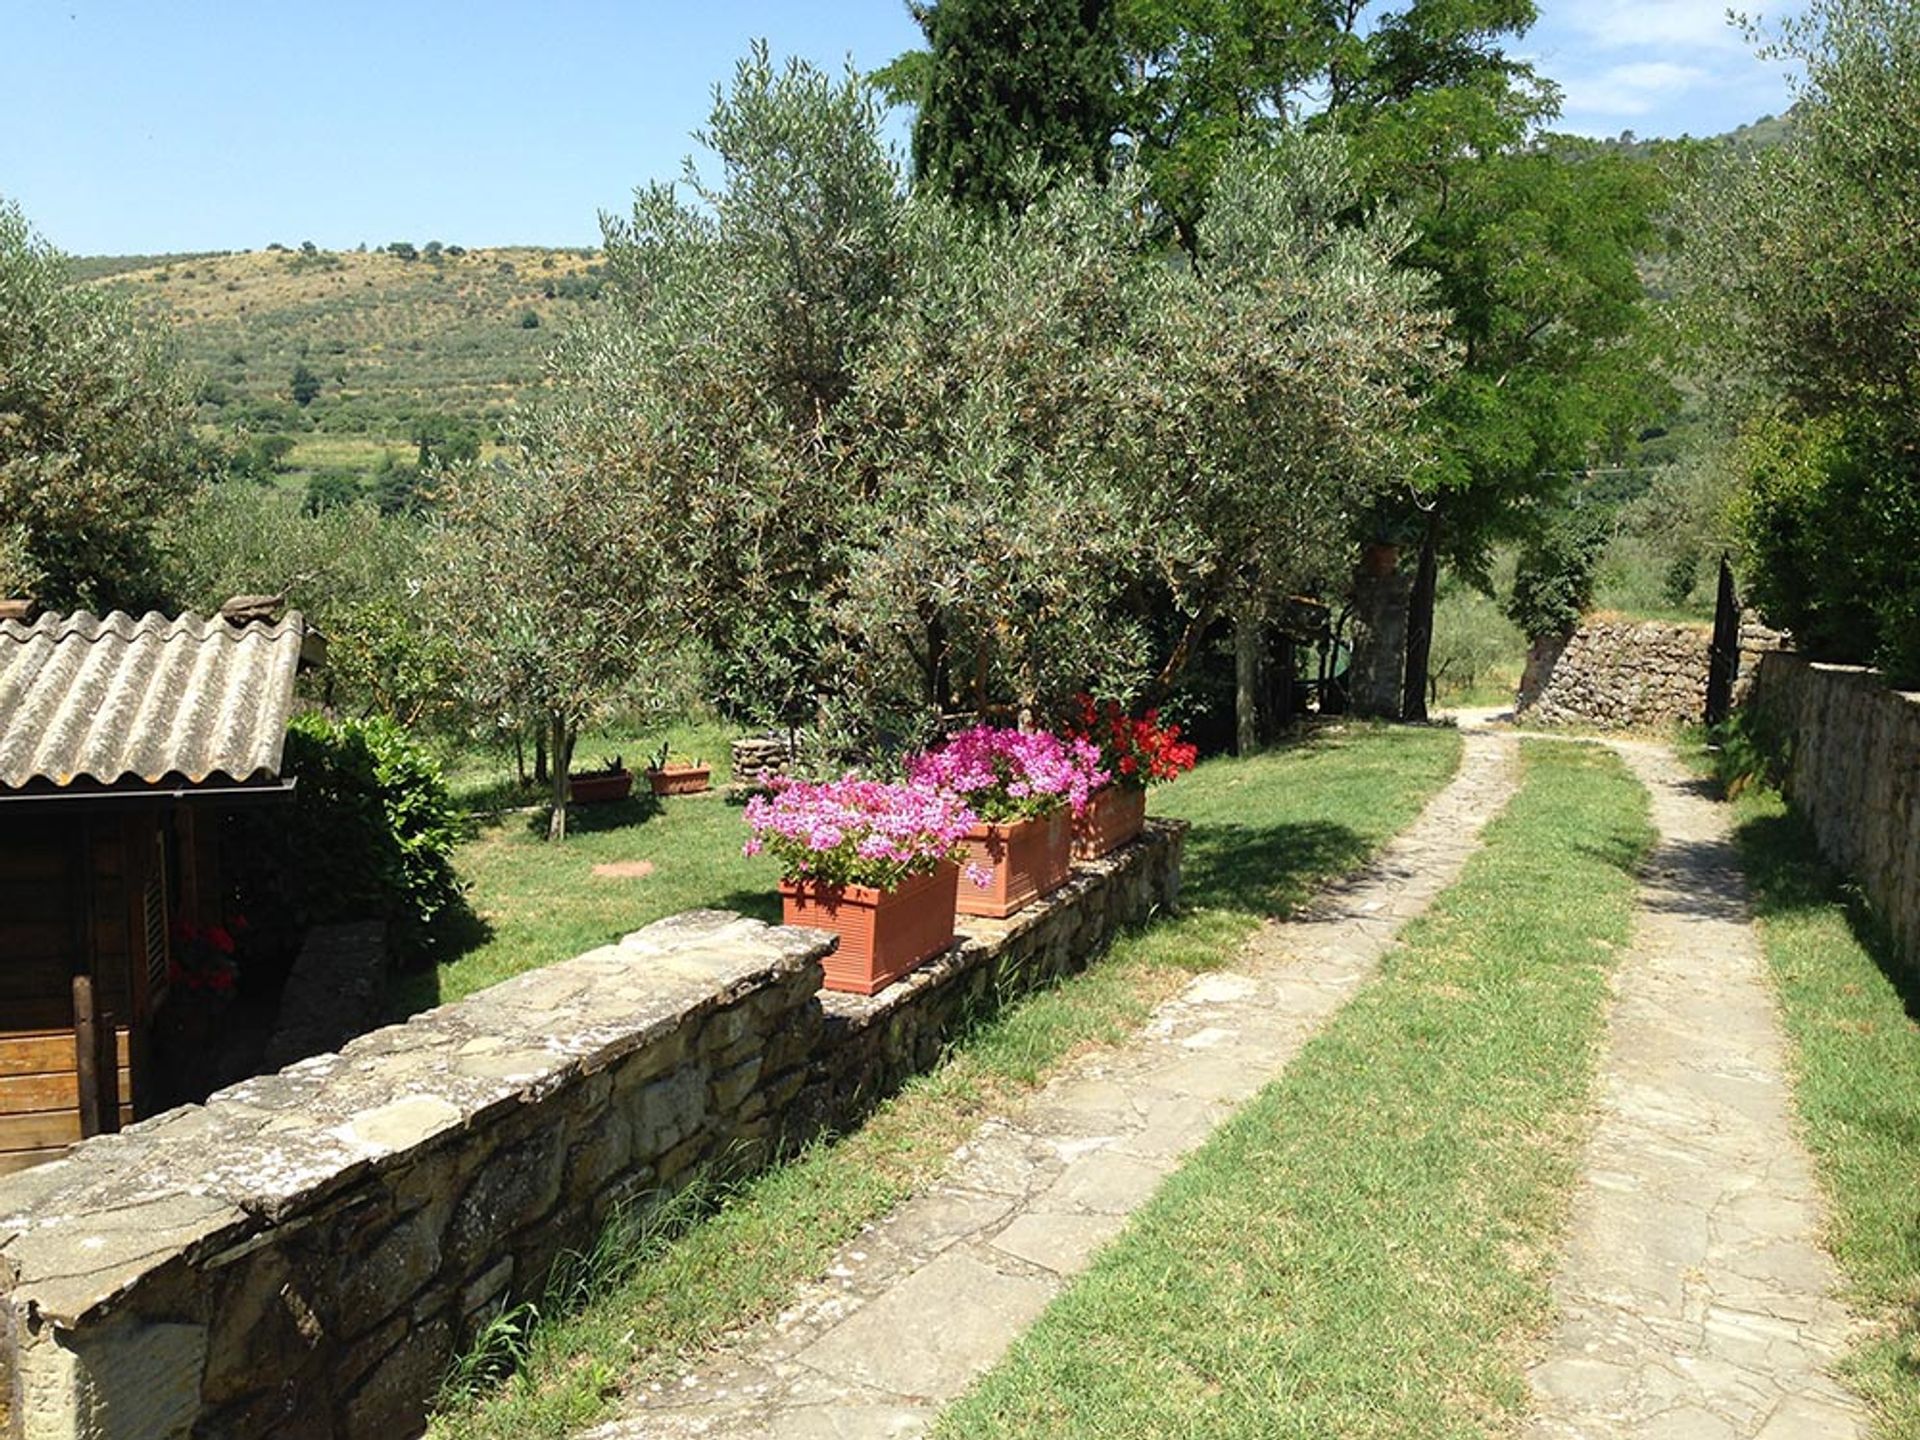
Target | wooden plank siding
(73,899)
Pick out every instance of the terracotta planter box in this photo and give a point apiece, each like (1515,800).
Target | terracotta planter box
(597,789)
(883,933)
(679,779)
(1028,859)
(1115,816)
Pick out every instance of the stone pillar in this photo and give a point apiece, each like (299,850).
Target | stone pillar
(1382,591)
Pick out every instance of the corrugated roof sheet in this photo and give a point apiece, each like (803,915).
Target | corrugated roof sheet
(118,699)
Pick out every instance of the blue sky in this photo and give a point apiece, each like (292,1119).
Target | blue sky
(146,126)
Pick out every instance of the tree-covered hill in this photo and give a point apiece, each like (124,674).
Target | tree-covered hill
(360,343)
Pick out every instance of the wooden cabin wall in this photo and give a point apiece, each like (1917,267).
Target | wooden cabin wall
(71,887)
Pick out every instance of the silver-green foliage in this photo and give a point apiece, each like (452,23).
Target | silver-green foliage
(965,459)
(95,438)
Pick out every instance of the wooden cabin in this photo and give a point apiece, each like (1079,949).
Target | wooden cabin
(122,741)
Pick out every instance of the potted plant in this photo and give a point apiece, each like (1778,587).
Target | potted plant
(1136,753)
(1025,787)
(612,781)
(671,774)
(876,864)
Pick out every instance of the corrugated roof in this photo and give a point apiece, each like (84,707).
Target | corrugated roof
(120,699)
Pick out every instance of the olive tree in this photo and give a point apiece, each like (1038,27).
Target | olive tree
(1800,265)
(551,600)
(96,443)
(921,456)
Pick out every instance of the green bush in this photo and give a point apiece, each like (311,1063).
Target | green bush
(1829,522)
(372,833)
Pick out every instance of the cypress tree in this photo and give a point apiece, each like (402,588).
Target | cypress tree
(1012,81)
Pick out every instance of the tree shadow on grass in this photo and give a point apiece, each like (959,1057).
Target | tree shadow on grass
(1789,880)
(599,818)
(1265,869)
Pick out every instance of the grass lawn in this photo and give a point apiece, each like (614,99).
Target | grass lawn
(1266,830)
(1365,1249)
(538,902)
(1850,1006)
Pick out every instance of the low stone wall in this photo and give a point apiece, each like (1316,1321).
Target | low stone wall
(1620,674)
(303,1256)
(1851,750)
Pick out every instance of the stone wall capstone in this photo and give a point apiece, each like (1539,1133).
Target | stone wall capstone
(1619,674)
(1851,747)
(303,1256)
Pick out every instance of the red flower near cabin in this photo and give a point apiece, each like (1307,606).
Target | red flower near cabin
(204,959)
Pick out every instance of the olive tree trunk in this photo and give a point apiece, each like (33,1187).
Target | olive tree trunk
(562,741)
(1413,692)
(1248,636)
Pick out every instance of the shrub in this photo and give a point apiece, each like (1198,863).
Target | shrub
(1829,522)
(372,832)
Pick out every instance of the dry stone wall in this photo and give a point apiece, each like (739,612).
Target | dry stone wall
(1851,750)
(1619,674)
(303,1256)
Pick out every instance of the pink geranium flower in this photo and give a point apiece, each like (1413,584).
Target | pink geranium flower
(856,832)
(1006,774)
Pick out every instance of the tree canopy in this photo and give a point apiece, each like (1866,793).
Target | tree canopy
(1800,273)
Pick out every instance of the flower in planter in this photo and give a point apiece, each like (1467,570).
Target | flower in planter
(1007,775)
(857,832)
(203,956)
(1137,752)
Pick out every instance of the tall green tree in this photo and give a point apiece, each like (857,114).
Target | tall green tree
(1010,92)
(96,440)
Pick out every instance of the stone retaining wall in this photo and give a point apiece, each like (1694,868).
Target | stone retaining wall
(1851,750)
(303,1256)
(1621,674)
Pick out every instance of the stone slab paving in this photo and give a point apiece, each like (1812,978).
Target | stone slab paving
(1694,1300)
(931,1296)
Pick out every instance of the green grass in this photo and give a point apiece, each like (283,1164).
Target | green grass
(1364,1250)
(1849,1003)
(538,902)
(1266,831)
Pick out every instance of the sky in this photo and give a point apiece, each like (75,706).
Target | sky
(152,126)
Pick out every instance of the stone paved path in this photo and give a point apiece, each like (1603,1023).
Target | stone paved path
(932,1296)
(1695,1303)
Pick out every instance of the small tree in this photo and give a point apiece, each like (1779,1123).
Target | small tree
(554,599)
(304,386)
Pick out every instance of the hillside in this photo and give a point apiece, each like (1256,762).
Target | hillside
(455,334)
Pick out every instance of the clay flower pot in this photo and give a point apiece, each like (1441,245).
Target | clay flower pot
(883,933)
(1115,816)
(1027,859)
(599,787)
(679,779)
